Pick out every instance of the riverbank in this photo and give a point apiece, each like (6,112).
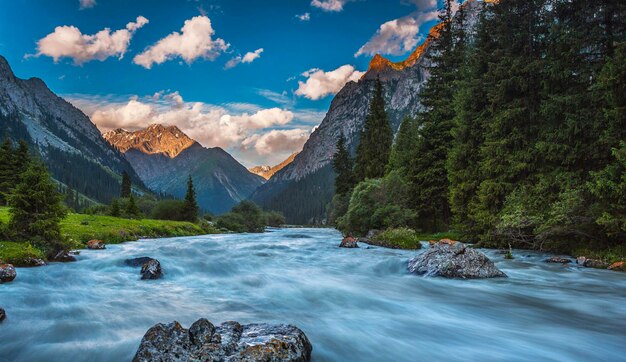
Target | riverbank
(80,228)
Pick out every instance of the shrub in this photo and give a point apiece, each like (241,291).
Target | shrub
(403,237)
(232,221)
(274,219)
(168,210)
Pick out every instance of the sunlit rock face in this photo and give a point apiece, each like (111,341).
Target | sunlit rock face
(402,83)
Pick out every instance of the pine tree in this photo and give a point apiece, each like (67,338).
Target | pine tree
(21,159)
(115,208)
(343,166)
(375,141)
(7,170)
(36,209)
(132,211)
(403,148)
(190,207)
(126,185)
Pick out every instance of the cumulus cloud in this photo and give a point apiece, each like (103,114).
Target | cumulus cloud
(320,84)
(70,42)
(249,57)
(277,141)
(304,17)
(194,41)
(399,36)
(329,5)
(86,4)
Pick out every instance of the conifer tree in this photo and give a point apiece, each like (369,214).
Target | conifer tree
(21,159)
(374,147)
(126,185)
(343,166)
(115,208)
(190,206)
(403,148)
(7,170)
(132,210)
(36,209)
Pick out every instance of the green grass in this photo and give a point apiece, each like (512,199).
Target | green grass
(80,228)
(453,235)
(18,253)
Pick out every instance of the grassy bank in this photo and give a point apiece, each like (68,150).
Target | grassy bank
(404,238)
(80,228)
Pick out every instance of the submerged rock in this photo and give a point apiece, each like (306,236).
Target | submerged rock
(136,262)
(348,242)
(7,273)
(3,315)
(96,244)
(63,257)
(151,270)
(230,341)
(454,260)
(558,259)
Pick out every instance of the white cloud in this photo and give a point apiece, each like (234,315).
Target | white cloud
(69,42)
(320,84)
(399,36)
(277,141)
(86,4)
(329,5)
(304,17)
(194,41)
(249,57)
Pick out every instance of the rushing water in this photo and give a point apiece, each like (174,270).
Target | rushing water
(353,304)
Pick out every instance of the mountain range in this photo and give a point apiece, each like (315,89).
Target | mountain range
(164,158)
(268,171)
(303,189)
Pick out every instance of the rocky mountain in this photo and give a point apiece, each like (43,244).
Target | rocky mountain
(304,188)
(268,171)
(164,157)
(69,143)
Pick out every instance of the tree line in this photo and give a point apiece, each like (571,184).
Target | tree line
(522,136)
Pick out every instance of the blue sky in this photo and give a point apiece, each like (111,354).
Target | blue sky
(254,77)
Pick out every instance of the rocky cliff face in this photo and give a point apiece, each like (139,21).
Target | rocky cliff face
(68,141)
(268,171)
(402,84)
(164,157)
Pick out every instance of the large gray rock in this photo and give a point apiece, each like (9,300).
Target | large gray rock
(151,270)
(454,260)
(231,342)
(7,273)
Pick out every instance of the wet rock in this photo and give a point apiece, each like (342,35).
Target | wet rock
(558,259)
(454,260)
(230,341)
(618,266)
(137,262)
(151,270)
(63,257)
(31,262)
(581,260)
(7,273)
(595,263)
(348,242)
(3,315)
(95,244)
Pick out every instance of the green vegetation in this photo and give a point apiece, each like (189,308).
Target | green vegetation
(18,253)
(189,211)
(521,141)
(404,238)
(247,217)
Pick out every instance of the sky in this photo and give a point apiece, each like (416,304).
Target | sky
(254,77)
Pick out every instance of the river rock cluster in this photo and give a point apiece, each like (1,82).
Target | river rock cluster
(348,242)
(7,273)
(229,341)
(454,260)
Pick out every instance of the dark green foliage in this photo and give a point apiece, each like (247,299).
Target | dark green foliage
(244,217)
(169,210)
(132,210)
(115,208)
(7,170)
(375,141)
(126,185)
(189,211)
(36,209)
(274,219)
(343,167)
(403,149)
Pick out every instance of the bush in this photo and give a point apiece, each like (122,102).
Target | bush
(403,237)
(274,219)
(244,217)
(232,221)
(168,210)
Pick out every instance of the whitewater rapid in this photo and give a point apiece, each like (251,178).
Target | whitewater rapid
(353,304)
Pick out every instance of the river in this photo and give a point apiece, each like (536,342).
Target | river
(353,304)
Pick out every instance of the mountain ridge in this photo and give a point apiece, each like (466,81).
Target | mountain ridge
(268,171)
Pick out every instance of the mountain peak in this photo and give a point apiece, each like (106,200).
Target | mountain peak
(155,139)
(268,171)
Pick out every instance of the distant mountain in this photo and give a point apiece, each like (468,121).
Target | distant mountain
(69,143)
(164,157)
(303,189)
(268,171)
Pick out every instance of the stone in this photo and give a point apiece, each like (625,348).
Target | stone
(137,262)
(618,266)
(63,257)
(3,315)
(230,341)
(454,261)
(7,273)
(31,262)
(95,244)
(595,263)
(558,260)
(151,270)
(348,242)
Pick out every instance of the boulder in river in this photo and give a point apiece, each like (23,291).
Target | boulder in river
(348,242)
(591,263)
(63,257)
(558,260)
(618,266)
(230,341)
(31,262)
(7,273)
(3,315)
(151,270)
(454,260)
(137,262)
(96,244)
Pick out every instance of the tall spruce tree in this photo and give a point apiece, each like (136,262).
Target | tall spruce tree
(7,170)
(190,207)
(132,210)
(402,150)
(343,166)
(126,185)
(376,138)
(36,209)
